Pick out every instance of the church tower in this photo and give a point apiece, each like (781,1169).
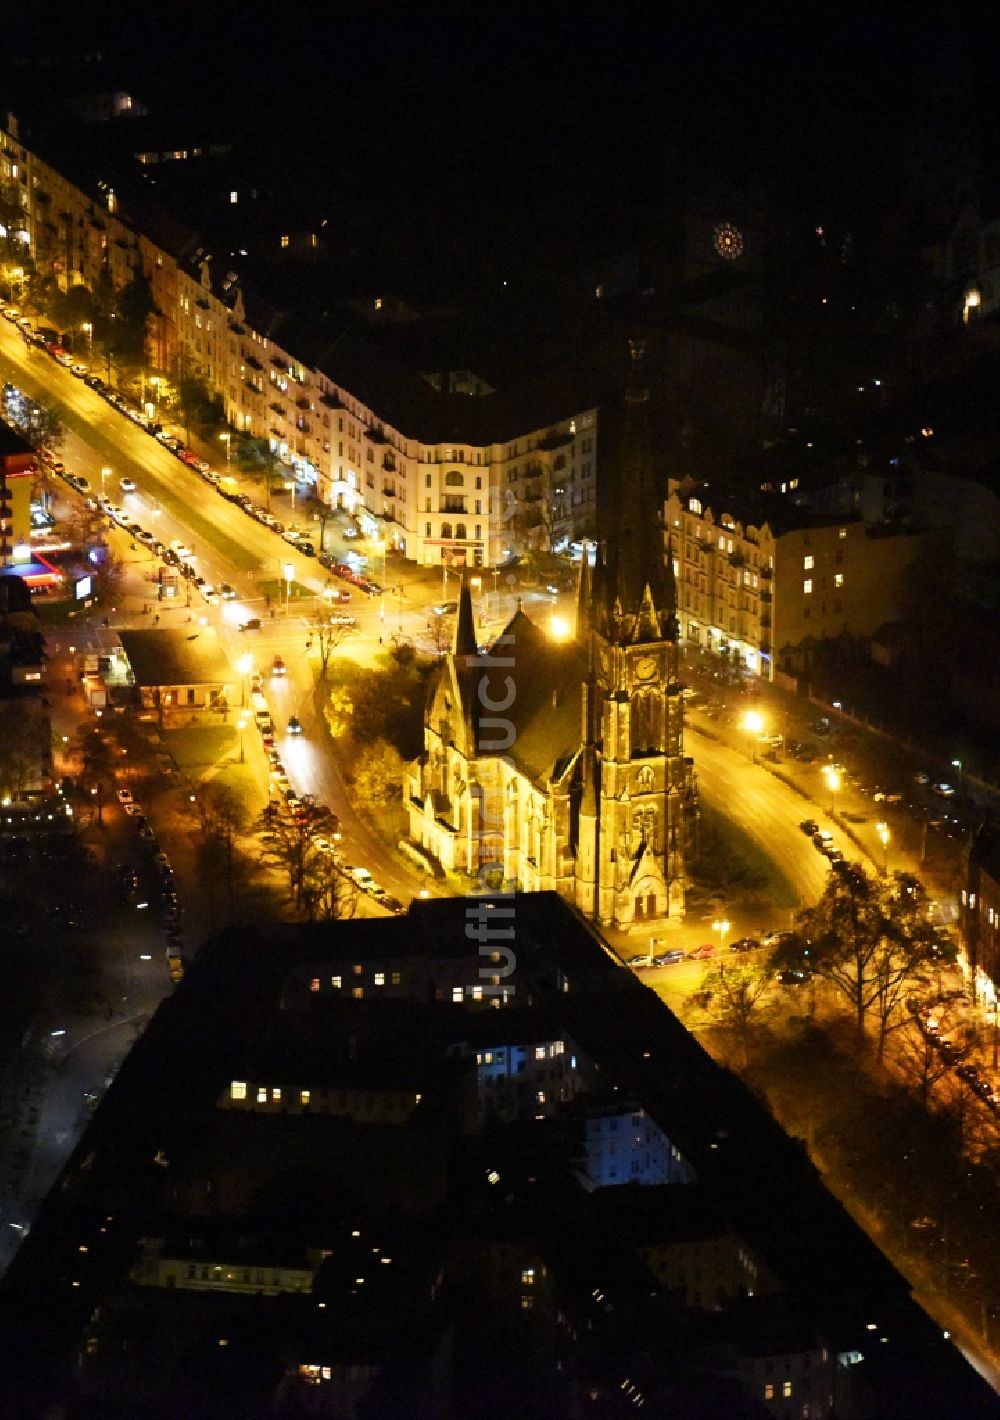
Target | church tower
(636,778)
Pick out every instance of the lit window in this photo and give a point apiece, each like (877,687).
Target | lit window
(527,1302)
(336,982)
(769,1391)
(809,562)
(238,1090)
(396,978)
(527,1276)
(694,506)
(356,968)
(559,1048)
(477,993)
(276,1093)
(304,1096)
(457,995)
(314,984)
(807,586)
(838,579)
(539,1052)
(378,303)
(234,197)
(358,992)
(540,1097)
(786,1388)
(487,1057)
(261,1095)
(842,534)
(284,243)
(972,899)
(380,978)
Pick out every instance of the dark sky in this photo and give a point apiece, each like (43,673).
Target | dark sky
(558,117)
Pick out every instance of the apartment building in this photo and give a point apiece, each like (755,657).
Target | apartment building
(762,587)
(426,461)
(449,466)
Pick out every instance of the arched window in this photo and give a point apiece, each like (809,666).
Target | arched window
(446,529)
(460,532)
(455,479)
(646,710)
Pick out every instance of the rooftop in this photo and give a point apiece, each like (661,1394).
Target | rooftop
(177,656)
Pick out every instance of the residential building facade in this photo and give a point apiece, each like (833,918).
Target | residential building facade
(763,593)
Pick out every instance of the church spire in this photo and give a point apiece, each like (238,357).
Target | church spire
(641,593)
(464,643)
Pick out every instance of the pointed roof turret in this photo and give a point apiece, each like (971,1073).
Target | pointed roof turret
(464,643)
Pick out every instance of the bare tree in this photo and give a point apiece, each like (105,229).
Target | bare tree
(25,746)
(328,635)
(868,938)
(295,848)
(327,891)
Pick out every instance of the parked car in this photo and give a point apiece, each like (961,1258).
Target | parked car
(809,826)
(744,944)
(703,953)
(792,976)
(670,958)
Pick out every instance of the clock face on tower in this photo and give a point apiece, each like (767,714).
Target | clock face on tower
(646,668)
(728,241)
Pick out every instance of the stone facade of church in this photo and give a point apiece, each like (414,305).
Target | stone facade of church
(561,766)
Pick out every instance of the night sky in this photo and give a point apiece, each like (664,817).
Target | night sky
(558,124)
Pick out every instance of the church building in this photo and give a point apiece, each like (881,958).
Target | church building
(559,765)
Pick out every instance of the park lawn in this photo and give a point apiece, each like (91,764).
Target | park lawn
(197,748)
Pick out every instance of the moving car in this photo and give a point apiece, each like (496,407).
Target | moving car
(124,796)
(252,625)
(278,666)
(227,592)
(181,548)
(127,485)
(445,608)
(294,725)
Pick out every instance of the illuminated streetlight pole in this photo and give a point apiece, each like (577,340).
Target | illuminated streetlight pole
(832,777)
(105,475)
(241,725)
(227,439)
(721,925)
(753,723)
(957,764)
(244,665)
(882,829)
(88,331)
(288,572)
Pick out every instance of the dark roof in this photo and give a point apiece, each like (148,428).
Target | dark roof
(176,656)
(546,710)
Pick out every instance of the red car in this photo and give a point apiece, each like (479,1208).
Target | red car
(703,953)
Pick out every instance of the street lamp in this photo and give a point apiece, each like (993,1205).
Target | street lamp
(288,573)
(832,776)
(227,439)
(559,628)
(957,764)
(105,475)
(753,723)
(721,925)
(244,665)
(241,725)
(882,829)
(88,331)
